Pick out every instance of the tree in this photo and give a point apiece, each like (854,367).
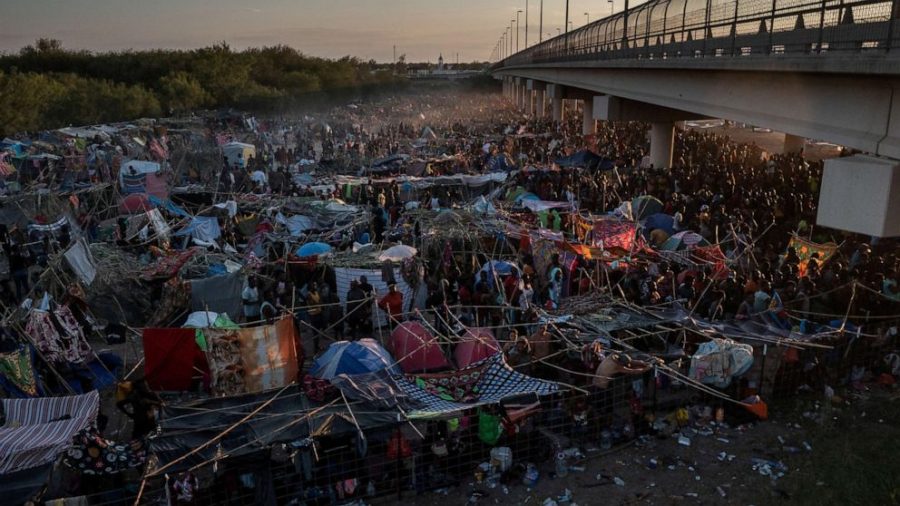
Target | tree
(180,91)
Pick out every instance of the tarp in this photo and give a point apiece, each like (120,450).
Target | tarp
(718,361)
(170,359)
(204,228)
(134,204)
(353,357)
(660,221)
(81,261)
(253,359)
(618,236)
(344,275)
(312,249)
(416,349)
(537,206)
(644,206)
(476,344)
(397,253)
(684,240)
(495,381)
(221,294)
(36,431)
(585,159)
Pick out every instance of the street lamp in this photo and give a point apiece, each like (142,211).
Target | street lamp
(612,7)
(567,17)
(541,24)
(511,21)
(517,29)
(587,18)
(526,24)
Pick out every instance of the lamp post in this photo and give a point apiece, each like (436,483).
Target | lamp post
(511,22)
(612,7)
(517,29)
(541,24)
(567,16)
(526,24)
(587,18)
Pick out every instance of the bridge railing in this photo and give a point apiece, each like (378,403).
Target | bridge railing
(663,29)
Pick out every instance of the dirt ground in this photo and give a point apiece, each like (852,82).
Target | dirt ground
(844,453)
(772,142)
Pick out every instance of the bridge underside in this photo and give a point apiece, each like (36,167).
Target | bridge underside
(854,111)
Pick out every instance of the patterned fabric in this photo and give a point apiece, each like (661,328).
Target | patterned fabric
(252,359)
(615,236)
(168,266)
(94,455)
(805,250)
(58,335)
(16,366)
(133,183)
(457,386)
(38,430)
(497,381)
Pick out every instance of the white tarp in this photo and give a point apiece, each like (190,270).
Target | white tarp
(345,275)
(81,261)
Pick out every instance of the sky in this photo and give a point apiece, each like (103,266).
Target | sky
(421,29)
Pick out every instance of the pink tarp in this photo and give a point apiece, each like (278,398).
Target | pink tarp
(415,349)
(476,344)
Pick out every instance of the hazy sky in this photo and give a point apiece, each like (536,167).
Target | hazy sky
(330,28)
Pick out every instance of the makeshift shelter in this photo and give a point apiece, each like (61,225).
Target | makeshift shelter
(476,344)
(173,359)
(397,253)
(684,240)
(644,206)
(235,151)
(585,159)
(353,357)
(660,221)
(379,281)
(312,249)
(416,349)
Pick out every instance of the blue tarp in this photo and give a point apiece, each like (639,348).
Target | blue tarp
(353,357)
(168,205)
(312,249)
(585,159)
(205,228)
(660,221)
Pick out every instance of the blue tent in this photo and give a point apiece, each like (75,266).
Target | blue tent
(660,221)
(312,249)
(353,357)
(526,196)
(585,159)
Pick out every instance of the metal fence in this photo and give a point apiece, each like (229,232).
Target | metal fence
(667,29)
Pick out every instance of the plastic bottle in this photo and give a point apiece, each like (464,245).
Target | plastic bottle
(562,467)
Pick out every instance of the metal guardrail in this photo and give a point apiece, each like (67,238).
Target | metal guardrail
(665,29)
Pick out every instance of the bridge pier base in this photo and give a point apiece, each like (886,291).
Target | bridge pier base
(556,106)
(662,140)
(539,103)
(793,143)
(589,125)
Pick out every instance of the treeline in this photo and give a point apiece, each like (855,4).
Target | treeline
(45,86)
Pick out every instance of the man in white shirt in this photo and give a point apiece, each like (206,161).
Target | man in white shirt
(250,298)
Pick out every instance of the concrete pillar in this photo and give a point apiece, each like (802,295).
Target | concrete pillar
(662,139)
(793,143)
(539,104)
(589,126)
(556,106)
(523,93)
(529,102)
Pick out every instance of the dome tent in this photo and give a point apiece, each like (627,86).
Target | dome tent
(353,357)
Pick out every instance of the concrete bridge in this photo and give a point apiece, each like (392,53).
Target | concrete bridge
(827,70)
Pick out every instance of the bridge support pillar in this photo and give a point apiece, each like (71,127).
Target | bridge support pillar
(539,104)
(793,143)
(662,139)
(589,125)
(556,106)
(524,95)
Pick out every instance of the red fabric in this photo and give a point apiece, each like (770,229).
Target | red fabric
(135,203)
(477,344)
(392,303)
(170,356)
(614,235)
(416,349)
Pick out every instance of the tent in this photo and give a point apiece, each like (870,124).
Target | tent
(416,349)
(585,159)
(501,267)
(476,344)
(312,249)
(684,241)
(660,221)
(235,150)
(353,357)
(397,253)
(644,206)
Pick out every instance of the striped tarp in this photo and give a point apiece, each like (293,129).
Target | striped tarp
(36,431)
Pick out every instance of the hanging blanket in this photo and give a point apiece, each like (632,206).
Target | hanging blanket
(805,250)
(92,454)
(253,359)
(456,386)
(58,335)
(17,369)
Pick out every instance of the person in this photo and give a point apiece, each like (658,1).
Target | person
(518,352)
(184,487)
(392,304)
(143,404)
(314,310)
(250,298)
(355,309)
